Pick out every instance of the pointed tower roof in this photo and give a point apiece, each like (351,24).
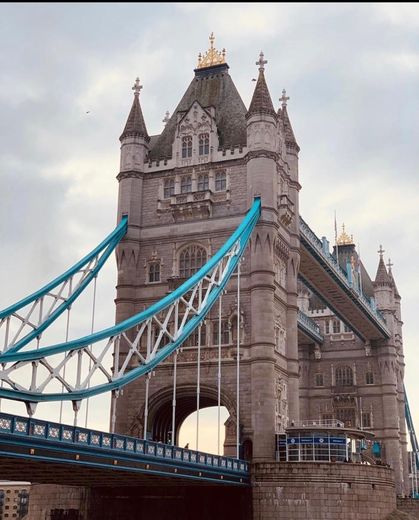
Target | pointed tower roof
(261,101)
(135,125)
(283,114)
(212,86)
(393,283)
(382,277)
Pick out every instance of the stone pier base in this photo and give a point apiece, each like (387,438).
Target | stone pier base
(322,491)
(53,502)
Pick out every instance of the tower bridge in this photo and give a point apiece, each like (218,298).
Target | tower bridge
(225,297)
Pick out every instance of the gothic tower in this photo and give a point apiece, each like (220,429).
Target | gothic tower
(184,192)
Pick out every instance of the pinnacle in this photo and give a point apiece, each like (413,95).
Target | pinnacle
(135,124)
(261,100)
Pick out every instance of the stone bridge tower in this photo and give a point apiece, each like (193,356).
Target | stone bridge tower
(184,192)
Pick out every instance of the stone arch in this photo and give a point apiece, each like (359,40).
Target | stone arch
(160,408)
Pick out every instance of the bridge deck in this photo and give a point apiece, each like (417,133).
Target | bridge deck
(46,452)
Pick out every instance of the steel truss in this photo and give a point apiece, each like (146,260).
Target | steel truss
(27,319)
(138,344)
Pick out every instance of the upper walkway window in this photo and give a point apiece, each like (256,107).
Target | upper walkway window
(203,144)
(187,146)
(191,259)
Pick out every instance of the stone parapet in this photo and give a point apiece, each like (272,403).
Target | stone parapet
(322,491)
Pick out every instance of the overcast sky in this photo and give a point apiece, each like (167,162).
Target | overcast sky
(351,71)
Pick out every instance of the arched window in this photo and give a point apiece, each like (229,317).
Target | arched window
(220,181)
(203,183)
(319,379)
(344,376)
(203,144)
(225,332)
(192,340)
(186,146)
(169,188)
(191,259)
(369,378)
(154,272)
(186,184)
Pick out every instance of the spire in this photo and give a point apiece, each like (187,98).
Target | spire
(261,101)
(283,113)
(135,125)
(390,275)
(344,239)
(382,277)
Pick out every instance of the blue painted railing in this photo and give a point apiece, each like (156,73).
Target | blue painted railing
(66,435)
(317,245)
(309,326)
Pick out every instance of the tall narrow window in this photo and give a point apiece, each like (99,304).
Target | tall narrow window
(344,376)
(336,326)
(203,182)
(327,327)
(169,188)
(369,378)
(203,144)
(319,380)
(225,332)
(186,146)
(192,340)
(366,420)
(154,272)
(220,181)
(191,259)
(186,184)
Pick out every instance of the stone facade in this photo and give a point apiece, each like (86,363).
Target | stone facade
(185,191)
(310,491)
(54,502)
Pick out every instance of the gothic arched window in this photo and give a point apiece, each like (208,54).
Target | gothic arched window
(186,184)
(220,181)
(191,259)
(203,182)
(225,332)
(336,326)
(154,272)
(344,376)
(203,144)
(187,146)
(369,378)
(169,188)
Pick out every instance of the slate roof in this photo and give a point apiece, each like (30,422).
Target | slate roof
(212,86)
(289,132)
(135,124)
(261,101)
(382,277)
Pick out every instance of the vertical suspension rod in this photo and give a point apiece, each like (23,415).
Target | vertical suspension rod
(219,374)
(90,359)
(147,383)
(174,399)
(198,381)
(238,361)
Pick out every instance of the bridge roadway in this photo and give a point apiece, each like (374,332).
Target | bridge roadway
(53,453)
(321,273)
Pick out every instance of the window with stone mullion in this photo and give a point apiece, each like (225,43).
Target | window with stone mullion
(203,144)
(186,184)
(203,182)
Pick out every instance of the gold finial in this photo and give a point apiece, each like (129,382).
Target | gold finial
(284,98)
(137,87)
(212,56)
(344,239)
(381,251)
(261,62)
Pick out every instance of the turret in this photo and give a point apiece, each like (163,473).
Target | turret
(382,284)
(134,149)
